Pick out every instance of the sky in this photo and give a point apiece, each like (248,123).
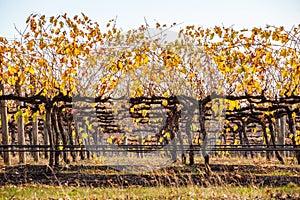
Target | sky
(131,13)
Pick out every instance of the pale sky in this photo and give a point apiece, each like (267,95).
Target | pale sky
(131,13)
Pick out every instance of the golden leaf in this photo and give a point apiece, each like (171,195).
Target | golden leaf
(68,50)
(120,65)
(34,117)
(235,128)
(17,115)
(76,52)
(164,102)
(166,94)
(144,113)
(84,135)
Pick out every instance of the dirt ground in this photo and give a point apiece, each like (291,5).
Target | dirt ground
(176,175)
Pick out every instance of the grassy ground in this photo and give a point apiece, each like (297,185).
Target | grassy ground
(191,192)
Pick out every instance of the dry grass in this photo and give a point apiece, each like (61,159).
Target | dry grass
(190,192)
(119,159)
(224,191)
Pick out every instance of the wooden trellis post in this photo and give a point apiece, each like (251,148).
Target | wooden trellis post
(280,125)
(20,124)
(35,129)
(21,135)
(35,154)
(4,128)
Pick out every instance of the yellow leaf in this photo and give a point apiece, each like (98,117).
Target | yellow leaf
(139,91)
(34,117)
(283,52)
(11,81)
(168,135)
(68,50)
(166,94)
(41,62)
(57,31)
(12,70)
(114,68)
(146,60)
(269,58)
(30,87)
(235,142)
(30,45)
(282,91)
(191,75)
(294,115)
(76,51)
(161,140)
(120,65)
(30,69)
(255,130)
(273,120)
(17,115)
(235,128)
(51,19)
(26,116)
(233,104)
(109,140)
(144,113)
(84,135)
(164,102)
(197,139)
(80,141)
(194,127)
(73,132)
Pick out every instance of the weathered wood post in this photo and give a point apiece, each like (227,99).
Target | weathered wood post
(4,128)
(35,153)
(35,121)
(46,140)
(20,124)
(21,135)
(50,134)
(292,129)
(280,126)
